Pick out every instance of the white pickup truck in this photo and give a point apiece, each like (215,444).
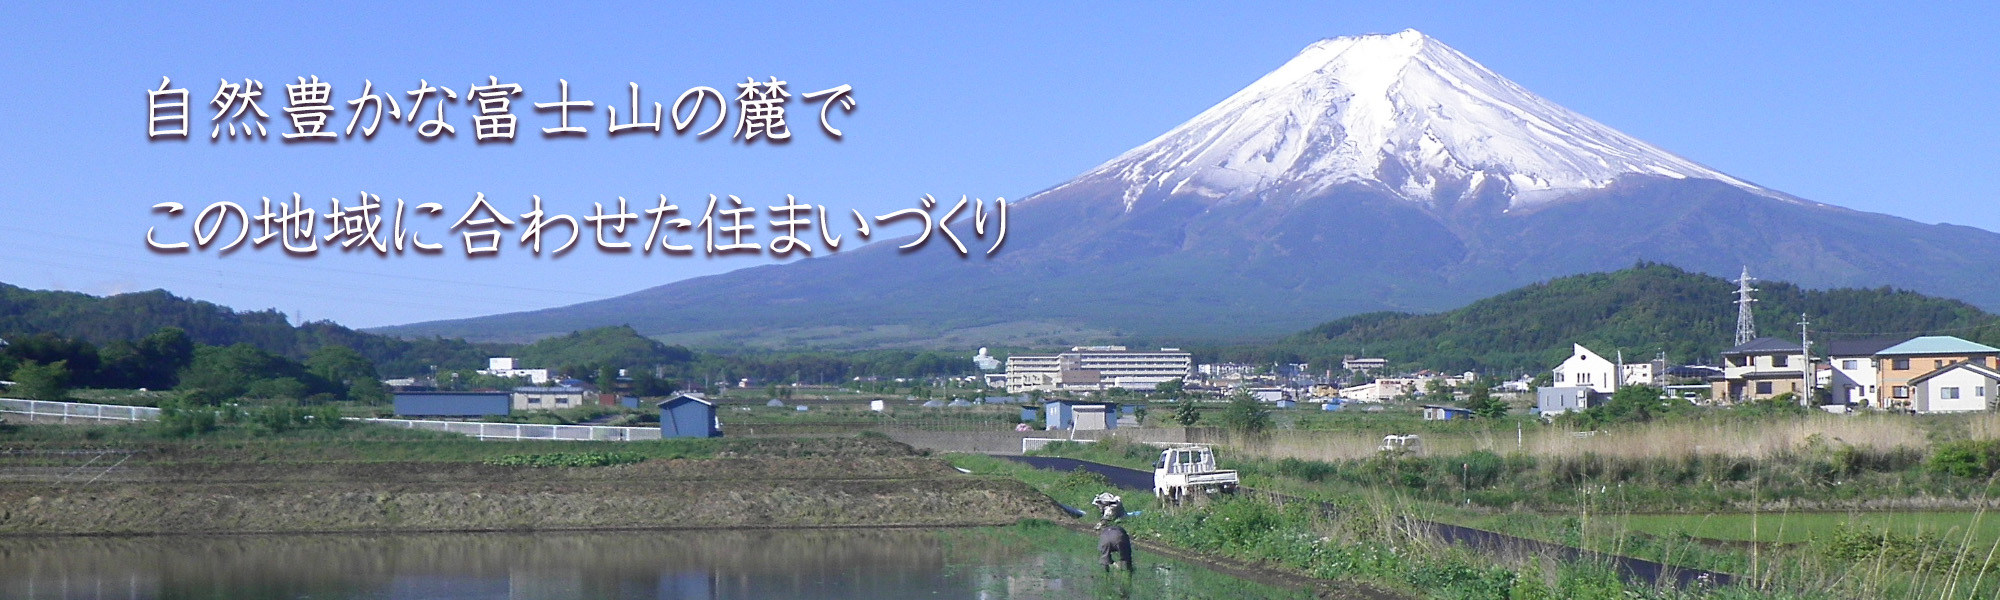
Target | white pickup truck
(1182,471)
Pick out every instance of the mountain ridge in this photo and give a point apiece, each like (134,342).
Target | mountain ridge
(1169,241)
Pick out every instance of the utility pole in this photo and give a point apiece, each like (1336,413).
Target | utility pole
(1746,325)
(1806,362)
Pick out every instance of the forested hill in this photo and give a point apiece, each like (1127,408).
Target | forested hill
(1642,310)
(130,317)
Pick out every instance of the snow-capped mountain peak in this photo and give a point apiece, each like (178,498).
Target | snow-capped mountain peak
(1402,112)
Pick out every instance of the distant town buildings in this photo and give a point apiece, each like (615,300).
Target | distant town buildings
(1364,365)
(503,366)
(985,362)
(1095,368)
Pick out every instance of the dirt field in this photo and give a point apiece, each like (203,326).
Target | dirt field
(738,492)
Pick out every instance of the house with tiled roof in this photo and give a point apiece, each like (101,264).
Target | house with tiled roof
(1900,367)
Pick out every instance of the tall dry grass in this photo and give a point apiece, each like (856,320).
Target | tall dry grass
(1749,439)
(1984,426)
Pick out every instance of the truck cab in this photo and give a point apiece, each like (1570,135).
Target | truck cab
(1184,470)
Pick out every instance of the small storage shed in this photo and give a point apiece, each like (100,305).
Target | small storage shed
(1433,412)
(1063,414)
(453,404)
(688,415)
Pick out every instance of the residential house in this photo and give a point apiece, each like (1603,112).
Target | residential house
(1898,366)
(1759,369)
(1852,379)
(1586,369)
(1964,386)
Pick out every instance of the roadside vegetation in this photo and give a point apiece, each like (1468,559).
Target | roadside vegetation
(1804,505)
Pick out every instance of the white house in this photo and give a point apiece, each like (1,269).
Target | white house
(1587,370)
(1852,380)
(1965,386)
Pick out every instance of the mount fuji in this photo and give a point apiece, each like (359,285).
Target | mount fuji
(1368,173)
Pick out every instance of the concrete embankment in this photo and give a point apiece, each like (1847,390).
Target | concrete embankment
(415,496)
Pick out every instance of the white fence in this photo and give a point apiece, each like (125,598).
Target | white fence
(485,431)
(516,431)
(77,410)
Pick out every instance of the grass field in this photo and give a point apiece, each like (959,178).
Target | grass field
(1788,528)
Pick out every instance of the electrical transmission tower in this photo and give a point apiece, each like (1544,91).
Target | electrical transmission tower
(1746,325)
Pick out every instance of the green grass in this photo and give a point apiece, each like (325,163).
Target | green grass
(1790,528)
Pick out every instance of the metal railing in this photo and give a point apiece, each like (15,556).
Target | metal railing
(520,431)
(79,410)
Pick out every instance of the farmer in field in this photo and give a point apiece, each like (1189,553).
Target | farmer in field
(1111,506)
(1114,546)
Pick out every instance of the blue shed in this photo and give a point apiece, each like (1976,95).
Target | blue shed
(688,415)
(1433,412)
(453,404)
(1062,414)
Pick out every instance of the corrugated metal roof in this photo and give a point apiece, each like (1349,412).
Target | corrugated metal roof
(1938,344)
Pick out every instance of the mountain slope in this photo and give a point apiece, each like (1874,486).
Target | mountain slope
(130,317)
(1639,310)
(1369,173)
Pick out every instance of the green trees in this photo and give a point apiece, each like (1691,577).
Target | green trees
(1631,404)
(1172,388)
(38,381)
(1185,413)
(1481,402)
(1245,415)
(347,369)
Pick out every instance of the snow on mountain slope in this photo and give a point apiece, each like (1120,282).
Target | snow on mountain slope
(1403,112)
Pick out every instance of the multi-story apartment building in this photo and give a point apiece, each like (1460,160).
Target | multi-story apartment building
(1089,368)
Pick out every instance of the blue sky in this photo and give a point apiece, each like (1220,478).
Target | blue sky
(1889,110)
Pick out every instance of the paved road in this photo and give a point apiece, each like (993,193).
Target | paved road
(1631,569)
(1119,476)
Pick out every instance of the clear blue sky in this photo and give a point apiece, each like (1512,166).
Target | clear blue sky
(1882,109)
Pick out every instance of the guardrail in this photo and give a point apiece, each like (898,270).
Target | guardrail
(519,431)
(78,410)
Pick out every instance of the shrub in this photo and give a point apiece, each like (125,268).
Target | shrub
(1967,458)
